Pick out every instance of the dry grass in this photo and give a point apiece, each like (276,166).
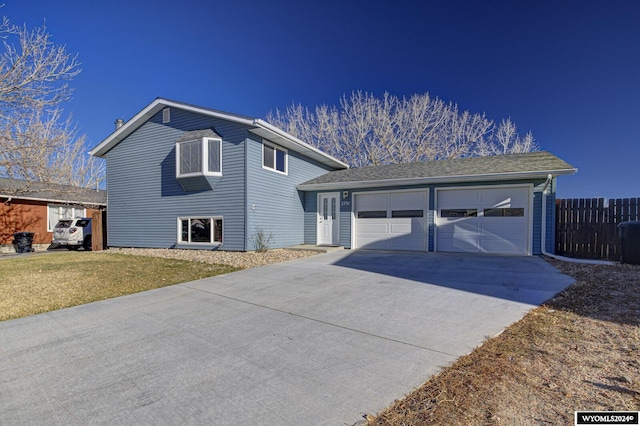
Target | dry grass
(43,283)
(579,351)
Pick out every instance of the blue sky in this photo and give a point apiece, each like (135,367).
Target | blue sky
(569,71)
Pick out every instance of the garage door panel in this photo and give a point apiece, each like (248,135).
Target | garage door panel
(458,227)
(458,244)
(407,200)
(497,197)
(371,226)
(371,201)
(372,243)
(503,226)
(502,246)
(458,198)
(406,225)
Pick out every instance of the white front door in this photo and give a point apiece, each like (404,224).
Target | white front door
(328,218)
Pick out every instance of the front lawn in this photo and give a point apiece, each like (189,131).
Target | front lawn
(42,283)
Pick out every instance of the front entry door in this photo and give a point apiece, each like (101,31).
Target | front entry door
(328,218)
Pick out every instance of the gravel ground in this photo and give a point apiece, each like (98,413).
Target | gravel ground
(242,260)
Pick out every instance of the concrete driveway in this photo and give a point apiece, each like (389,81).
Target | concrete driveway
(321,340)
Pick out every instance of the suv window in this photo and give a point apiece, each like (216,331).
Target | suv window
(83,222)
(63,224)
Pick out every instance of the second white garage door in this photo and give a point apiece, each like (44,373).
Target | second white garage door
(395,220)
(484,220)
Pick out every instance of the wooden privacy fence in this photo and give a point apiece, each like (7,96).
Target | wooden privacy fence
(588,228)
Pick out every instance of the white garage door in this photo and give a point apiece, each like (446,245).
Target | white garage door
(484,220)
(391,220)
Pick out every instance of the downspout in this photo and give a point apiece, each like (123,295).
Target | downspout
(543,249)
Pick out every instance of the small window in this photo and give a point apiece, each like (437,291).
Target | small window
(274,158)
(504,212)
(372,214)
(459,213)
(325,208)
(200,230)
(215,155)
(407,213)
(333,207)
(57,212)
(199,157)
(166,115)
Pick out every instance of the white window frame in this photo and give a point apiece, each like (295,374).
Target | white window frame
(211,237)
(286,158)
(204,150)
(75,212)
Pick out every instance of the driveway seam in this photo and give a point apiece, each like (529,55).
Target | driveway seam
(319,321)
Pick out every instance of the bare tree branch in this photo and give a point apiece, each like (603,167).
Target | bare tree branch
(37,143)
(368,130)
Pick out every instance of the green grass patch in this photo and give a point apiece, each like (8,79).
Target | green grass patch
(43,283)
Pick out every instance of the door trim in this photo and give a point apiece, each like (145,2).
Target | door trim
(335,230)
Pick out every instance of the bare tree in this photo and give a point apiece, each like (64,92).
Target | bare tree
(367,130)
(38,144)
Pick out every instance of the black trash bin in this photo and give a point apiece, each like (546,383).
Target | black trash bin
(23,242)
(630,242)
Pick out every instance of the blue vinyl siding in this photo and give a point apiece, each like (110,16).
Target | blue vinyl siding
(274,205)
(310,217)
(145,197)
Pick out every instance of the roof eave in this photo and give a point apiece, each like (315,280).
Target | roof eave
(434,180)
(51,200)
(268,131)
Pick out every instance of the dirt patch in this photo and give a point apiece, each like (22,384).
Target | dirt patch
(579,351)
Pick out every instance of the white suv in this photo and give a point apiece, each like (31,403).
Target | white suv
(73,233)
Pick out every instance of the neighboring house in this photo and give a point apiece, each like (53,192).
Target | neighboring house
(184,176)
(34,207)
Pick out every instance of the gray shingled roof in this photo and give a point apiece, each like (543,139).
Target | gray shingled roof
(475,168)
(51,192)
(199,134)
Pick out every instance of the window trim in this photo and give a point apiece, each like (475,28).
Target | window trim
(204,150)
(211,237)
(50,206)
(275,149)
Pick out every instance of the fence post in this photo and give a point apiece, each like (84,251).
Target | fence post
(97,235)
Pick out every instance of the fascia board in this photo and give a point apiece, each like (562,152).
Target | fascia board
(432,180)
(49,200)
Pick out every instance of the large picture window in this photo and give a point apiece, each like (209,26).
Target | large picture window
(200,230)
(57,212)
(199,157)
(274,158)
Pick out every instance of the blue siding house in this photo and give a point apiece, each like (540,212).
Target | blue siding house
(184,176)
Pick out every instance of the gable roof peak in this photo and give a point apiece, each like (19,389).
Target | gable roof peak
(255,125)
